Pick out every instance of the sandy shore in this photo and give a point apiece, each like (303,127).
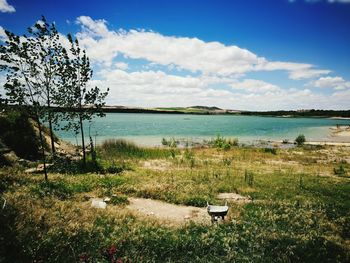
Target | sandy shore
(340,118)
(338,136)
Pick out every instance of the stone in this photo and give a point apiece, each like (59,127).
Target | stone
(98,203)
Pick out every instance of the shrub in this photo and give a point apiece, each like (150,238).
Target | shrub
(300,140)
(340,171)
(221,143)
(170,143)
(270,150)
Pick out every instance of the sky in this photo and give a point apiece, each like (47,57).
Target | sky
(233,54)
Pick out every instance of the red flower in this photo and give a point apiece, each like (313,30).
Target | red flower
(112,250)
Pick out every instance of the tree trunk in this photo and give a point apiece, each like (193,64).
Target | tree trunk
(82,140)
(42,147)
(53,150)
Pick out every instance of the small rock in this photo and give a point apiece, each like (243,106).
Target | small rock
(187,217)
(98,203)
(150,214)
(107,199)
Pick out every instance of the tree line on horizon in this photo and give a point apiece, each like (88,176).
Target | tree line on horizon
(42,74)
(301,113)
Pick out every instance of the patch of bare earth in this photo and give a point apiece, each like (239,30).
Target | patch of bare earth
(170,213)
(157,165)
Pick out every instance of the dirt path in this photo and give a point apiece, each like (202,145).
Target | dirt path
(171,213)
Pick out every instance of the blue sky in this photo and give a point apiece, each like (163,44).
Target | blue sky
(248,54)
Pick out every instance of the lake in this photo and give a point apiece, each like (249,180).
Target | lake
(149,129)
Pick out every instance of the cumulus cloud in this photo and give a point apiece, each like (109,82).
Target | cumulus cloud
(5,7)
(337,83)
(121,65)
(255,86)
(159,89)
(192,54)
(215,72)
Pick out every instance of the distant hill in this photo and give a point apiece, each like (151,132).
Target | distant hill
(171,110)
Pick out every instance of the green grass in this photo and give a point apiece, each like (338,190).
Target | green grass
(300,210)
(120,149)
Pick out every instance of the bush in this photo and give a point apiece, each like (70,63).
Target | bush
(170,143)
(340,171)
(270,150)
(221,143)
(300,140)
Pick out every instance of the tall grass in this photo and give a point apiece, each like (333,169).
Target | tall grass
(119,148)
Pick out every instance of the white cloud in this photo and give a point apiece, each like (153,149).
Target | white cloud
(121,65)
(3,36)
(255,86)
(307,73)
(191,54)
(158,89)
(337,83)
(295,71)
(5,7)
(217,67)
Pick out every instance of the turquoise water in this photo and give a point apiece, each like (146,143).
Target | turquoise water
(149,129)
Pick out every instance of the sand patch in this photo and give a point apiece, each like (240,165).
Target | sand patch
(171,213)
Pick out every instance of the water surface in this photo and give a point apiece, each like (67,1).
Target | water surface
(149,129)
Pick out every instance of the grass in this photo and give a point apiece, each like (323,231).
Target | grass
(300,209)
(122,149)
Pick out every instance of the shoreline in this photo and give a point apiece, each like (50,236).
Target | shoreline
(337,136)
